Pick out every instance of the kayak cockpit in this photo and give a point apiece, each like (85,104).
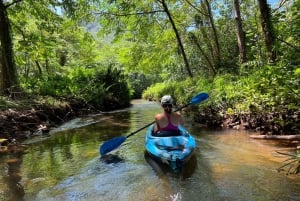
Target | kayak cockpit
(171,148)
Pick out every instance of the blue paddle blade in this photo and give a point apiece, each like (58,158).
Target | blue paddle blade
(112,144)
(199,98)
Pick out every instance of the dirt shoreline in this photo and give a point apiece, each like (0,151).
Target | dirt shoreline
(267,126)
(17,125)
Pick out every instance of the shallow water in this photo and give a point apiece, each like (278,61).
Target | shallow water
(227,165)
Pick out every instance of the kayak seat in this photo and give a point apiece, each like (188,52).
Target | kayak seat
(167,133)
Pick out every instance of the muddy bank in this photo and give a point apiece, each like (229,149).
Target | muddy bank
(18,124)
(265,124)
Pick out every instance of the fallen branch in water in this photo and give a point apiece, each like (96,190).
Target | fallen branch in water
(276,137)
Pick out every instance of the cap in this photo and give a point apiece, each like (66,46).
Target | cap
(166,99)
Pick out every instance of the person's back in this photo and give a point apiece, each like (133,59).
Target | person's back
(167,120)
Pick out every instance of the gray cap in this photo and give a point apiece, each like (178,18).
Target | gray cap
(167,99)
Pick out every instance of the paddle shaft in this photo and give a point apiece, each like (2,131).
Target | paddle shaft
(154,121)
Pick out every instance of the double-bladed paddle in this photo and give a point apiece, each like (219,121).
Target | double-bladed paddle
(114,143)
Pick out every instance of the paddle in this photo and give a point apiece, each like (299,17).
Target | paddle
(114,143)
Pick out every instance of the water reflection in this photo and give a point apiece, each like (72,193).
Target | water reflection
(227,165)
(12,177)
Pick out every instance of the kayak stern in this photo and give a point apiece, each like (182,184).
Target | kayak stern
(174,151)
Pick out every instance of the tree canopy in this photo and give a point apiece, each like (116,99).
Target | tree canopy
(154,40)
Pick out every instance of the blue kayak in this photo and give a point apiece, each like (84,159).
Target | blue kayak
(173,149)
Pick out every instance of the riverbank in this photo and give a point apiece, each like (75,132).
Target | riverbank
(24,119)
(274,126)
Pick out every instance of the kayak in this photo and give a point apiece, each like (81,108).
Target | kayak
(171,148)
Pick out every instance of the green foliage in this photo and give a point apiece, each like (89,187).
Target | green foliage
(269,89)
(55,85)
(156,91)
(104,88)
(56,56)
(139,82)
(287,23)
(292,163)
(116,88)
(49,37)
(279,85)
(181,91)
(85,87)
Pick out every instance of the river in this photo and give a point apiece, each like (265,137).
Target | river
(66,166)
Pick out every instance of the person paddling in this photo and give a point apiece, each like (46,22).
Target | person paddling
(167,121)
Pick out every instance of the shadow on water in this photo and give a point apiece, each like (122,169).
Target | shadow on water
(162,169)
(111,159)
(193,182)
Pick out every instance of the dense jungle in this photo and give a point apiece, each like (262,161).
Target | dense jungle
(60,59)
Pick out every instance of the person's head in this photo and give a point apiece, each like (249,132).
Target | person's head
(167,103)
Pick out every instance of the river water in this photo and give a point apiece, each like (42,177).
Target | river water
(227,165)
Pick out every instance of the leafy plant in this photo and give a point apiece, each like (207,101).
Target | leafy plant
(292,163)
(139,82)
(182,91)
(102,87)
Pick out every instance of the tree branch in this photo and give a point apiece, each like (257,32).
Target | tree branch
(281,4)
(12,3)
(193,6)
(289,44)
(180,44)
(129,14)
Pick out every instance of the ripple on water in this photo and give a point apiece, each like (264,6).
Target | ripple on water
(229,165)
(113,181)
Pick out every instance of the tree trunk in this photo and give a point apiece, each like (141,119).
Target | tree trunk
(240,32)
(187,65)
(39,68)
(8,73)
(266,24)
(215,35)
(210,64)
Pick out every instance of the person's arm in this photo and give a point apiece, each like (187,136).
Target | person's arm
(180,120)
(155,128)
(156,125)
